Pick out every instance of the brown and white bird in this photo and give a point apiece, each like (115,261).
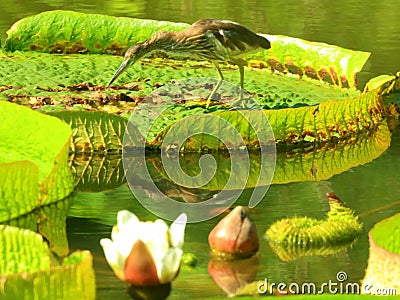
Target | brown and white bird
(213,40)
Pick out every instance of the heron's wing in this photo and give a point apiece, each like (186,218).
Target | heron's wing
(231,35)
(235,35)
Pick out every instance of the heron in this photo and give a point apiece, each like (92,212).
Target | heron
(216,41)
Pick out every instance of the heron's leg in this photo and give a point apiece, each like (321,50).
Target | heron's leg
(220,78)
(241,65)
(241,70)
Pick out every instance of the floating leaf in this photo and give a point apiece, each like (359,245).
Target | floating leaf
(329,63)
(80,81)
(62,31)
(33,160)
(15,258)
(19,189)
(26,272)
(298,236)
(94,131)
(67,80)
(338,119)
(72,32)
(382,274)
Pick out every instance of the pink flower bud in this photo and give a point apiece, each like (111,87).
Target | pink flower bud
(235,236)
(139,267)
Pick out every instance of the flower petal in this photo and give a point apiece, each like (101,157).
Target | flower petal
(177,231)
(126,219)
(114,258)
(140,268)
(126,232)
(168,268)
(157,239)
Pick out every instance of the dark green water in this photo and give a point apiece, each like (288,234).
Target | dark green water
(372,190)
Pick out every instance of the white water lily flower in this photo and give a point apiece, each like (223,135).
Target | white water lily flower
(145,253)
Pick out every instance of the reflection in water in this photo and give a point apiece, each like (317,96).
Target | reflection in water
(159,292)
(316,165)
(233,275)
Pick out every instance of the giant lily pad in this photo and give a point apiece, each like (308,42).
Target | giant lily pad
(71,32)
(382,275)
(27,270)
(75,79)
(94,131)
(33,160)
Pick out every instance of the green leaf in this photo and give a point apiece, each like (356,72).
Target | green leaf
(385,234)
(22,250)
(339,119)
(384,257)
(93,130)
(329,63)
(72,32)
(19,188)
(26,272)
(64,79)
(33,160)
(294,237)
(80,80)
(386,83)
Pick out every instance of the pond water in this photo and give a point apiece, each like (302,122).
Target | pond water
(371,189)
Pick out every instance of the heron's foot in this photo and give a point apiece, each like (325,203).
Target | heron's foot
(208,102)
(239,103)
(203,102)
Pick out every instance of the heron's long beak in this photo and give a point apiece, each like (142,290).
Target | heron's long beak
(120,70)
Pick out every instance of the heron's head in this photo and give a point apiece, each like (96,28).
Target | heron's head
(133,54)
